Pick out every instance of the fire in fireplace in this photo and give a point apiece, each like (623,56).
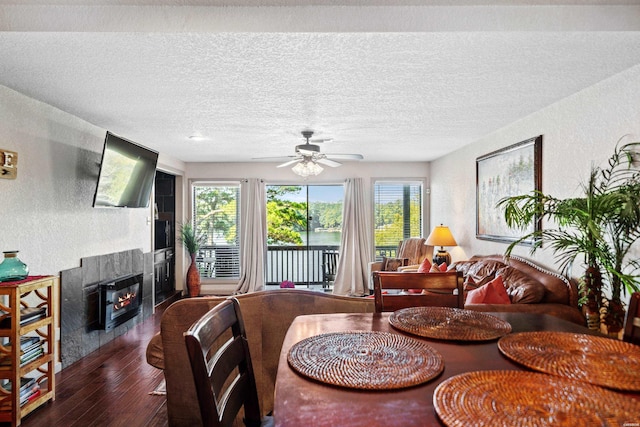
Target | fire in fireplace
(119,301)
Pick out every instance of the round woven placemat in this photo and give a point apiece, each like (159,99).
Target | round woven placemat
(593,359)
(518,398)
(445,323)
(366,360)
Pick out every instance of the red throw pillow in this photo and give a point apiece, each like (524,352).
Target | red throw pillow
(443,267)
(491,293)
(425,266)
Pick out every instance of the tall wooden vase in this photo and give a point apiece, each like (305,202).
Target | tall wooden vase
(193,278)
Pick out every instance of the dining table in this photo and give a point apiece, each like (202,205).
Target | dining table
(303,401)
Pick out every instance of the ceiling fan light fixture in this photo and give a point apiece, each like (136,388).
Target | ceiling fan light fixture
(307,168)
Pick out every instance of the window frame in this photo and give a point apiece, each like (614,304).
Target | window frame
(424,194)
(193,183)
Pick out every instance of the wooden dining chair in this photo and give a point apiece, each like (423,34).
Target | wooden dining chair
(438,290)
(329,268)
(632,323)
(223,374)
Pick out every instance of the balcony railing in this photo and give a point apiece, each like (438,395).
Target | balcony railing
(299,264)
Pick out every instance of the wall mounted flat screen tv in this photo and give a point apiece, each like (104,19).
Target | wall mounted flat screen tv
(127,173)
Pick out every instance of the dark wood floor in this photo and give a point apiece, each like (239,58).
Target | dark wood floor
(110,387)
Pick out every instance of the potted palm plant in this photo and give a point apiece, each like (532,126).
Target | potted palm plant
(601,226)
(191,241)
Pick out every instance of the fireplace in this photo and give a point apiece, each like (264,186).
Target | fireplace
(84,318)
(119,300)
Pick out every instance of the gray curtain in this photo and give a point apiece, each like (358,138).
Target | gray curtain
(253,236)
(355,246)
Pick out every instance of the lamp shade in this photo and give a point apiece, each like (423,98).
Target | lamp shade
(441,236)
(307,168)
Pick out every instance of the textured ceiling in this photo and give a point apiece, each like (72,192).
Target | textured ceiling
(401,80)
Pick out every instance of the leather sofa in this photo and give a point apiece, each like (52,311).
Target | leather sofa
(532,288)
(267,316)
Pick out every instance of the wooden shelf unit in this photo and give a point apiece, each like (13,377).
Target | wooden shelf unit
(37,291)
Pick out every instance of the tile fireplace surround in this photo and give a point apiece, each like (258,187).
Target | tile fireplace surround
(79,333)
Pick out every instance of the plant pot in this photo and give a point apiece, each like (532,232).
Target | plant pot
(593,290)
(614,318)
(592,318)
(193,278)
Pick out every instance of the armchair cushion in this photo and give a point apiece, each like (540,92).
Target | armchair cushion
(392,264)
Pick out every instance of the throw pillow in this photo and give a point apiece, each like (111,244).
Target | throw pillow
(470,284)
(425,266)
(522,288)
(435,268)
(490,293)
(391,264)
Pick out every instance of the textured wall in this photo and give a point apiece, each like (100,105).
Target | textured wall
(577,131)
(47,213)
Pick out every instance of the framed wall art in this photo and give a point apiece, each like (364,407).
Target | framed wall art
(511,171)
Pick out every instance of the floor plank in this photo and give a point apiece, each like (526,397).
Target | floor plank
(110,387)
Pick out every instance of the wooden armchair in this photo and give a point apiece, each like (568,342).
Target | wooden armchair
(438,289)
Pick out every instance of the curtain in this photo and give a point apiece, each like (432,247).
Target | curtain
(253,235)
(355,246)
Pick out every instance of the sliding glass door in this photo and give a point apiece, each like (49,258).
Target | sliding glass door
(304,226)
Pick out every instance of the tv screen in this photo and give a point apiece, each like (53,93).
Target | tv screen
(126,175)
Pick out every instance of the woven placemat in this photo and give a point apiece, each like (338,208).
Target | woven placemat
(366,360)
(593,359)
(519,398)
(447,323)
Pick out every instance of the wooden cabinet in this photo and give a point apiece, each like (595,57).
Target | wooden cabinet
(19,331)
(164,283)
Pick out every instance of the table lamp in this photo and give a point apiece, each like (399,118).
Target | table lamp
(441,236)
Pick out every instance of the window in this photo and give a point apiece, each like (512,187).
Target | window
(304,226)
(216,214)
(397,214)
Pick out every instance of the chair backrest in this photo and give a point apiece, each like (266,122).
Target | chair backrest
(330,265)
(223,373)
(414,249)
(438,290)
(632,323)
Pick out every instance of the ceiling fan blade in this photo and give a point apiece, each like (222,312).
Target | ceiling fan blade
(275,158)
(290,162)
(346,156)
(328,162)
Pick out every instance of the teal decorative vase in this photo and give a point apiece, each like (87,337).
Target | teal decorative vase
(12,268)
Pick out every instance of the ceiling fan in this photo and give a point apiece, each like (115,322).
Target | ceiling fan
(307,158)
